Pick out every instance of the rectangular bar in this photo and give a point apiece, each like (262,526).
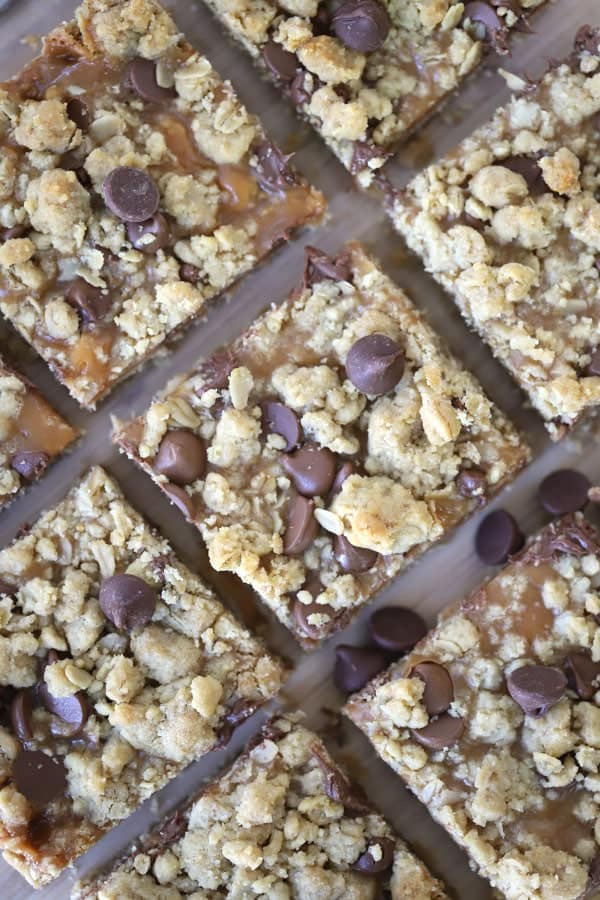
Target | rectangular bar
(32,434)
(254,445)
(365,73)
(508,224)
(493,721)
(135,187)
(284,821)
(118,668)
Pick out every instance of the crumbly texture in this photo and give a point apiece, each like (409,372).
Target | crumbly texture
(518,792)
(407,447)
(201,147)
(27,423)
(269,828)
(157,697)
(522,262)
(362,104)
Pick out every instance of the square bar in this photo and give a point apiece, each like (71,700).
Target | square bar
(493,719)
(365,73)
(32,434)
(118,668)
(283,822)
(508,223)
(134,188)
(327,446)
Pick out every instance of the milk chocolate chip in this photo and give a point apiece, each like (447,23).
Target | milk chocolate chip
(92,303)
(312,469)
(73,710)
(150,236)
(21,712)
(375,364)
(131,194)
(583,674)
(79,113)
(277,418)
(320,266)
(30,464)
(127,601)
(471,483)
(302,527)
(536,688)
(440,733)
(362,25)
(397,630)
(377,858)
(140,77)
(439,690)
(39,777)
(280,61)
(355,666)
(181,457)
(351,558)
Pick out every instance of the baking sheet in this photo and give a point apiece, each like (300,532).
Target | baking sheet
(352,216)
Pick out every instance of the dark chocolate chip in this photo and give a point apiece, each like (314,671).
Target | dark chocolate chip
(73,710)
(351,558)
(564,491)
(395,629)
(583,674)
(339,788)
(280,61)
(536,688)
(312,469)
(302,527)
(440,733)
(344,471)
(91,302)
(79,113)
(529,169)
(277,418)
(140,77)
(300,93)
(471,483)
(39,777)
(375,364)
(150,236)
(361,25)
(273,172)
(320,266)
(383,848)
(593,367)
(355,666)
(30,464)
(181,499)
(131,194)
(439,690)
(495,29)
(497,538)
(241,710)
(21,712)
(189,273)
(215,371)
(181,457)
(127,601)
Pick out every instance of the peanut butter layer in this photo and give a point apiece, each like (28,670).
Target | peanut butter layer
(332,443)
(32,434)
(364,73)
(118,667)
(493,720)
(283,822)
(508,223)
(134,188)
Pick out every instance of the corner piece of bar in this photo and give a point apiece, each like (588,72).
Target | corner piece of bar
(327,446)
(493,720)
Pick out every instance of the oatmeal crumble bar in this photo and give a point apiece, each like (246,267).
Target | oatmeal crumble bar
(493,720)
(118,667)
(509,224)
(283,822)
(134,186)
(32,434)
(366,72)
(330,444)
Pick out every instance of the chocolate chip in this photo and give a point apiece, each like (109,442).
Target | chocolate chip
(181,499)
(79,113)
(30,464)
(355,666)
(486,15)
(312,469)
(363,153)
(281,62)
(273,172)
(440,733)
(127,601)
(301,613)
(215,371)
(189,273)
(351,558)
(302,527)
(320,266)
(11,234)
(529,169)
(131,194)
(362,25)
(471,483)
(150,236)
(497,538)
(21,712)
(594,872)
(74,710)
(395,629)
(339,788)
(570,535)
(6,589)
(39,777)
(593,367)
(439,690)
(536,688)
(277,418)
(564,491)
(344,471)
(140,77)
(181,457)
(587,39)
(91,302)
(583,674)
(240,711)
(375,364)
(300,93)
(383,849)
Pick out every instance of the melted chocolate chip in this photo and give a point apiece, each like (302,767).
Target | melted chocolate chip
(280,61)
(21,712)
(273,173)
(30,464)
(339,788)
(564,491)
(312,469)
(150,236)
(440,733)
(497,538)
(495,29)
(353,559)
(583,674)
(536,688)
(92,303)
(375,364)
(240,711)
(277,418)
(571,535)
(302,527)
(587,39)
(215,371)
(300,93)
(355,666)
(302,613)
(127,601)
(529,169)
(439,690)
(471,483)
(181,457)
(189,273)
(131,194)
(140,78)
(363,153)
(79,113)
(181,499)
(320,266)
(39,777)
(377,858)
(362,25)
(395,629)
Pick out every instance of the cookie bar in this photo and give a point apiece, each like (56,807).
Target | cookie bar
(134,188)
(366,72)
(327,446)
(494,723)
(118,667)
(283,822)
(32,434)
(508,224)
